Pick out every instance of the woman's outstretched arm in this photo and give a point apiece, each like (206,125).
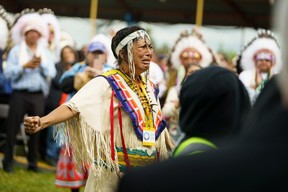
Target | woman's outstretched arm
(33,124)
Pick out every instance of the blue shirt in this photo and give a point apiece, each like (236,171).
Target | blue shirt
(37,79)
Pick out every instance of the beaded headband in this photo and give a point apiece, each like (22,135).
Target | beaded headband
(265,55)
(130,37)
(194,54)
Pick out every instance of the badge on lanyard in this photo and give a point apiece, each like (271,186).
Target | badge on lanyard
(148,137)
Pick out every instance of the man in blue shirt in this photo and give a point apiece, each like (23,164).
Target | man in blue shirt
(30,68)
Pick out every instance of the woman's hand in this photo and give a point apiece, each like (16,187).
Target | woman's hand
(32,124)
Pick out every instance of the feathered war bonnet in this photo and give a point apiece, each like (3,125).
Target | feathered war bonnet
(27,20)
(192,40)
(263,45)
(50,19)
(5,26)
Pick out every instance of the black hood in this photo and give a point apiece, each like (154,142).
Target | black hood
(214,104)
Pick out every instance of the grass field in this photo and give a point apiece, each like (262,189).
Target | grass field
(26,181)
(21,180)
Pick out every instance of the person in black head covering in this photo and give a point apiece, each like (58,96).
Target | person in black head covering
(214,105)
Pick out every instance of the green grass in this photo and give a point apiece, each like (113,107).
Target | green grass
(21,180)
(26,181)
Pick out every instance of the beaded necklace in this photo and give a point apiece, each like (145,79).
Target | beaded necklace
(141,90)
(122,92)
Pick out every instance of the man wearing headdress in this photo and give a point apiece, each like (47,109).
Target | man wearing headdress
(30,68)
(260,60)
(189,52)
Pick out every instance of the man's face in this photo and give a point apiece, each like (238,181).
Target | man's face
(264,61)
(96,58)
(264,65)
(68,55)
(32,37)
(188,56)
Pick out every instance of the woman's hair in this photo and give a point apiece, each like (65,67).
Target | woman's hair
(119,36)
(72,49)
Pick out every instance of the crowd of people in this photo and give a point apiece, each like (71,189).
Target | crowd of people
(118,114)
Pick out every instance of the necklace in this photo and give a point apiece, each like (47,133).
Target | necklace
(139,86)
